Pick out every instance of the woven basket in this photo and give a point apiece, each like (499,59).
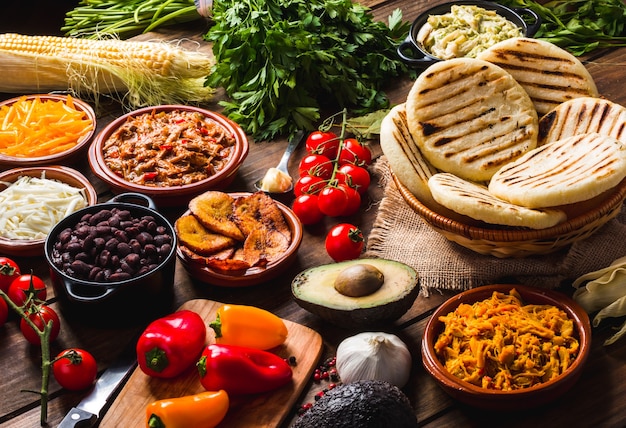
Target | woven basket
(507,242)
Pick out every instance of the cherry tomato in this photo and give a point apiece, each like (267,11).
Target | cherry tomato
(75,369)
(21,288)
(307,209)
(308,184)
(317,165)
(355,153)
(9,270)
(344,242)
(354,176)
(40,316)
(4,311)
(323,143)
(354,200)
(332,201)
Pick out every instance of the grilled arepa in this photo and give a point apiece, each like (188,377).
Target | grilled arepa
(564,172)
(404,156)
(470,117)
(551,75)
(581,116)
(475,201)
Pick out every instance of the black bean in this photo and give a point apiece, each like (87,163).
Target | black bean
(133,260)
(111,245)
(119,276)
(74,247)
(80,268)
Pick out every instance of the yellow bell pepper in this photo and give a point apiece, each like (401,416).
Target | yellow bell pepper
(248,326)
(204,410)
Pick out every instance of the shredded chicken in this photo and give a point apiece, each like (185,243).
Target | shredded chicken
(501,344)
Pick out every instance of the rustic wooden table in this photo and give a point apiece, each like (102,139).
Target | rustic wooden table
(596,400)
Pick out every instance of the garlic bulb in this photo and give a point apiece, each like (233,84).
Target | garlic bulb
(374,356)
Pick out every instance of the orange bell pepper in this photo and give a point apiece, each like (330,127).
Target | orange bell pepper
(248,326)
(204,410)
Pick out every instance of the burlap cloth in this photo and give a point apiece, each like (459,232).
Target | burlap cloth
(400,234)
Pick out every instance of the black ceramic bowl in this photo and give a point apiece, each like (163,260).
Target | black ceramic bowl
(142,296)
(412,52)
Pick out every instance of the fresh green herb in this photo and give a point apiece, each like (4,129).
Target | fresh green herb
(579,26)
(280,61)
(125,18)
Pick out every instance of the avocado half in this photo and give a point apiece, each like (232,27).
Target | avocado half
(314,290)
(362,404)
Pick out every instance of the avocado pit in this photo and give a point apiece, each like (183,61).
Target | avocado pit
(359,280)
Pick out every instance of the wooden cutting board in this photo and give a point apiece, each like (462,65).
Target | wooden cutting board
(261,410)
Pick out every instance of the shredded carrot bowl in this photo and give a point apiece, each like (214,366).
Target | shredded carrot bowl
(506,346)
(44,129)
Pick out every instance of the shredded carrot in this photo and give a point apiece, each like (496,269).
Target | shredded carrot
(501,344)
(41,127)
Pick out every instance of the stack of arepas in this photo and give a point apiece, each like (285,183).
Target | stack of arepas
(510,138)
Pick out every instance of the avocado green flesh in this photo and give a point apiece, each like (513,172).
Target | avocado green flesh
(316,285)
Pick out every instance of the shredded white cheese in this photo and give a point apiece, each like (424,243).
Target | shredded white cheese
(31,206)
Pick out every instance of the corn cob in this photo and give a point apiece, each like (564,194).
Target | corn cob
(145,73)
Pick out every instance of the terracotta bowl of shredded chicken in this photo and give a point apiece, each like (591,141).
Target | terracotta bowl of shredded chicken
(170,153)
(505,347)
(44,129)
(33,200)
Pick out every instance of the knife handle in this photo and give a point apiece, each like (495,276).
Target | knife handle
(77,418)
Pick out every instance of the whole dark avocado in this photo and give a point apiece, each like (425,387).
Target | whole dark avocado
(363,404)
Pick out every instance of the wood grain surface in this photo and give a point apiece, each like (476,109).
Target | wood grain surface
(259,410)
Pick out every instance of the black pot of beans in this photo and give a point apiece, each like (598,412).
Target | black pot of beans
(114,260)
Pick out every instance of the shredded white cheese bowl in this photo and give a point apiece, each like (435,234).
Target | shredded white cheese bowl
(31,206)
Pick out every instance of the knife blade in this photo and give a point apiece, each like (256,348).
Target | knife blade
(87,413)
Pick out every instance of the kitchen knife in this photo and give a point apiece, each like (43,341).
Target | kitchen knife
(90,409)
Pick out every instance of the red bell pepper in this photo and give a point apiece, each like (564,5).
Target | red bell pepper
(240,370)
(171,344)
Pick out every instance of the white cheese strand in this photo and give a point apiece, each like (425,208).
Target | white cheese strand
(31,206)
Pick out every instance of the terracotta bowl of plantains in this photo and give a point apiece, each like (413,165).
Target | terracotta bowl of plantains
(75,148)
(34,247)
(113,262)
(177,159)
(516,399)
(254,275)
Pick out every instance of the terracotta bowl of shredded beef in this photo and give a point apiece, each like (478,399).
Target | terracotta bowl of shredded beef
(170,153)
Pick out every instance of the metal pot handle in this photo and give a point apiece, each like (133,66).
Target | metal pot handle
(131,197)
(407,45)
(71,292)
(531,29)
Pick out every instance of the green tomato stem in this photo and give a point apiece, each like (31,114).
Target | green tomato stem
(44,337)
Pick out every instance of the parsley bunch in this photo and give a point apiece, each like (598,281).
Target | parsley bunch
(579,26)
(281,61)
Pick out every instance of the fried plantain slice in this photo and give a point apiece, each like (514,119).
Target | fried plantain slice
(263,246)
(259,209)
(214,210)
(198,239)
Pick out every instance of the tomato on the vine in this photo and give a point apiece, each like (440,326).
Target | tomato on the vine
(323,142)
(332,201)
(40,316)
(344,242)
(22,287)
(9,270)
(317,165)
(307,209)
(355,153)
(354,200)
(75,369)
(4,311)
(354,176)
(308,184)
